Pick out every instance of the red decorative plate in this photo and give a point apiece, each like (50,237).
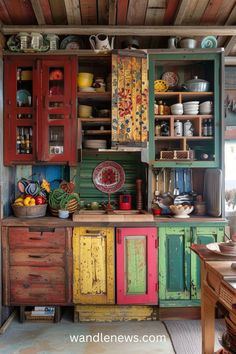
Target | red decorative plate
(108,177)
(171,78)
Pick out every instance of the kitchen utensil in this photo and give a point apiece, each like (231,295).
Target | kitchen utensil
(188,43)
(23,97)
(214,247)
(71,42)
(63,214)
(108,177)
(181,211)
(36,40)
(125,201)
(26,75)
(196,85)
(84,79)
(101,42)
(209,42)
(53,40)
(172,42)
(85,111)
(170,78)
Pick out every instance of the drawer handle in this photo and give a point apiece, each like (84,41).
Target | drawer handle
(38,255)
(35,275)
(98,232)
(36,238)
(36,294)
(41,229)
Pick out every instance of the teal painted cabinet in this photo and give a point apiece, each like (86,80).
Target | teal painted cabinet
(202,235)
(197,143)
(179,268)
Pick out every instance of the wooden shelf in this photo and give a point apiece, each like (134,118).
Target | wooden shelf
(183,137)
(97,132)
(183,93)
(96,96)
(184,116)
(95,120)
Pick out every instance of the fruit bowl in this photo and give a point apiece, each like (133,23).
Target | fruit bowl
(181,211)
(34,211)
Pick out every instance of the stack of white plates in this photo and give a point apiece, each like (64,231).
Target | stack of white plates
(177,109)
(87,89)
(206,107)
(191,107)
(95,144)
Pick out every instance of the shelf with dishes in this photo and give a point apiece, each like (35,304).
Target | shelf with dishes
(96,96)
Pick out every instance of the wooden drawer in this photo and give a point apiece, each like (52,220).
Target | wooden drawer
(22,237)
(36,257)
(37,275)
(37,293)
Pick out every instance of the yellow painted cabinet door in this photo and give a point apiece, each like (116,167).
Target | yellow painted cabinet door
(93,258)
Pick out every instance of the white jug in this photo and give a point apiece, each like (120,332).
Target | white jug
(172,42)
(101,42)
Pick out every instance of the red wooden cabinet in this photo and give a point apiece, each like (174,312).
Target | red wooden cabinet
(37,266)
(136,265)
(40,109)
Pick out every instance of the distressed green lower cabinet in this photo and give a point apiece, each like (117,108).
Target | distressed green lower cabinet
(179,268)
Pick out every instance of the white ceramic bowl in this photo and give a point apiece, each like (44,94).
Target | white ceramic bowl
(191,112)
(190,102)
(177,105)
(177,112)
(181,211)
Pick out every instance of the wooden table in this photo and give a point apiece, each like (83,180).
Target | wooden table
(215,270)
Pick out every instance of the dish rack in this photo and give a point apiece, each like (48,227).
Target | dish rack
(177,155)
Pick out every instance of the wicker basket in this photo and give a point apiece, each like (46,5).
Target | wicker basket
(34,211)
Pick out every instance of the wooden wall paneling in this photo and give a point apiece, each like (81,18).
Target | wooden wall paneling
(4,14)
(122,8)
(137,12)
(73,12)
(38,11)
(195,11)
(214,12)
(88,10)
(112,12)
(45,5)
(103,12)
(58,12)
(171,9)
(21,12)
(155,12)
(182,11)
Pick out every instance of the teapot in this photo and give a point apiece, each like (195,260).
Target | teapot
(101,42)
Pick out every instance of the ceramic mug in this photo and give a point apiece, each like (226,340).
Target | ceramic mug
(100,42)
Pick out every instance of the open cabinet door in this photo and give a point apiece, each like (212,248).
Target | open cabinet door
(129,99)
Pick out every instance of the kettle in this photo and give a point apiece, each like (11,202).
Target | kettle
(125,201)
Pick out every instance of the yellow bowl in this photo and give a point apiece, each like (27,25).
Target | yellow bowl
(160,86)
(26,75)
(84,79)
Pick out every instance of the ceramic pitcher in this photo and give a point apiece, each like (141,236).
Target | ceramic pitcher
(101,42)
(172,42)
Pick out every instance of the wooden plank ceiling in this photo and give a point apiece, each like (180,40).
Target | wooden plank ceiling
(124,13)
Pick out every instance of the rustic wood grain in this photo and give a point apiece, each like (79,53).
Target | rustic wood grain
(46,11)
(89,13)
(73,12)
(103,12)
(112,12)
(181,11)
(4,14)
(122,8)
(58,12)
(38,11)
(171,9)
(137,12)
(21,12)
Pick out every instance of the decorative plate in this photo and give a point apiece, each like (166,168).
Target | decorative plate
(71,42)
(214,247)
(209,42)
(170,78)
(160,86)
(108,177)
(22,97)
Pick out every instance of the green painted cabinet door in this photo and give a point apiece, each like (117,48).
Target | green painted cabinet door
(174,264)
(201,235)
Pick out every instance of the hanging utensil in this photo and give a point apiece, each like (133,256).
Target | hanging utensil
(176,189)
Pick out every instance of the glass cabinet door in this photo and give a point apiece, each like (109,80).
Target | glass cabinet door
(55,125)
(20,101)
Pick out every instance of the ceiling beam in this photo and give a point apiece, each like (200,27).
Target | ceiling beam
(38,11)
(73,12)
(125,30)
(232,40)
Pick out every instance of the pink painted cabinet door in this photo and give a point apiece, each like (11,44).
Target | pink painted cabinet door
(136,265)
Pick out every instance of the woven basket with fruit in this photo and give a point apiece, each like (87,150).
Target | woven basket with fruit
(32,201)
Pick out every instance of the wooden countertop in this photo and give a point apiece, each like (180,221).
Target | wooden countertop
(206,255)
(51,221)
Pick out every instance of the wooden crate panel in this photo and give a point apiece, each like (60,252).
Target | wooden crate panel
(33,275)
(93,265)
(21,237)
(26,293)
(36,257)
(114,313)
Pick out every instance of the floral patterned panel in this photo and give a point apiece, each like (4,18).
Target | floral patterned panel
(129,100)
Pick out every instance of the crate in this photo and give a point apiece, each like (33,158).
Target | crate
(177,155)
(34,211)
(30,317)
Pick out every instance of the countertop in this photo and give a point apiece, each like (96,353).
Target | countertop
(50,221)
